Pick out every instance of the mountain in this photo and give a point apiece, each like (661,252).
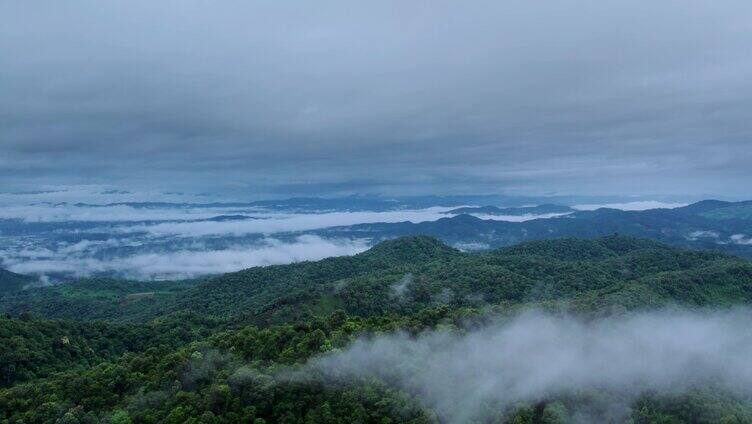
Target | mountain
(234,348)
(705,206)
(527,210)
(11,282)
(739,210)
(707,225)
(565,272)
(254,291)
(408,274)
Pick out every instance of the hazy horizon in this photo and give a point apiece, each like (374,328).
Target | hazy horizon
(81,231)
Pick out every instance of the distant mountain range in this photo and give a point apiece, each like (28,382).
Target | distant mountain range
(708,225)
(380,203)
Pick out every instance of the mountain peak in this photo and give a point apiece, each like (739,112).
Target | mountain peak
(705,206)
(411,249)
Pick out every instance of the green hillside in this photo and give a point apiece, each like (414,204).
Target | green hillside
(222,350)
(741,210)
(386,279)
(12,282)
(406,275)
(95,298)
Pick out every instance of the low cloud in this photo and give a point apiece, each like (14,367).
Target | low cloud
(108,213)
(399,289)
(281,222)
(537,357)
(471,246)
(702,234)
(517,218)
(631,206)
(186,263)
(741,239)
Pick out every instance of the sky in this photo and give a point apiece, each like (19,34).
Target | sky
(334,97)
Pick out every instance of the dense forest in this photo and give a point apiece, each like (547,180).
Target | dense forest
(12,282)
(234,348)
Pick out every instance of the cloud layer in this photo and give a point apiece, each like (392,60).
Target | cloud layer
(631,206)
(70,231)
(269,223)
(388,96)
(537,357)
(176,264)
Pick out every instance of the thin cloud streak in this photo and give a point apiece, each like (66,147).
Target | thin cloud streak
(631,206)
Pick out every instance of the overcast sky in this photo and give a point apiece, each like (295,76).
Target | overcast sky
(325,97)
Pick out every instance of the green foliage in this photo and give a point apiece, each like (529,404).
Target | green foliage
(231,349)
(31,348)
(232,376)
(588,275)
(698,406)
(255,289)
(12,282)
(95,298)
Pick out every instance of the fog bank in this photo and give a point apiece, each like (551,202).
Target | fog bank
(536,356)
(182,263)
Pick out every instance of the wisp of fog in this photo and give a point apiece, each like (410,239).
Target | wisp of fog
(537,356)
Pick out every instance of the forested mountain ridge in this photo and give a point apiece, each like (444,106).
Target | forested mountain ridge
(706,225)
(34,347)
(255,289)
(410,273)
(213,350)
(226,294)
(565,272)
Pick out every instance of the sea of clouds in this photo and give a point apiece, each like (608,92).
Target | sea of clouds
(77,260)
(85,230)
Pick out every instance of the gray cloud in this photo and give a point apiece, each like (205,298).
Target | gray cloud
(257,96)
(537,357)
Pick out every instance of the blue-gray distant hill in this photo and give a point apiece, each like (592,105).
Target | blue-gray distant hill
(707,225)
